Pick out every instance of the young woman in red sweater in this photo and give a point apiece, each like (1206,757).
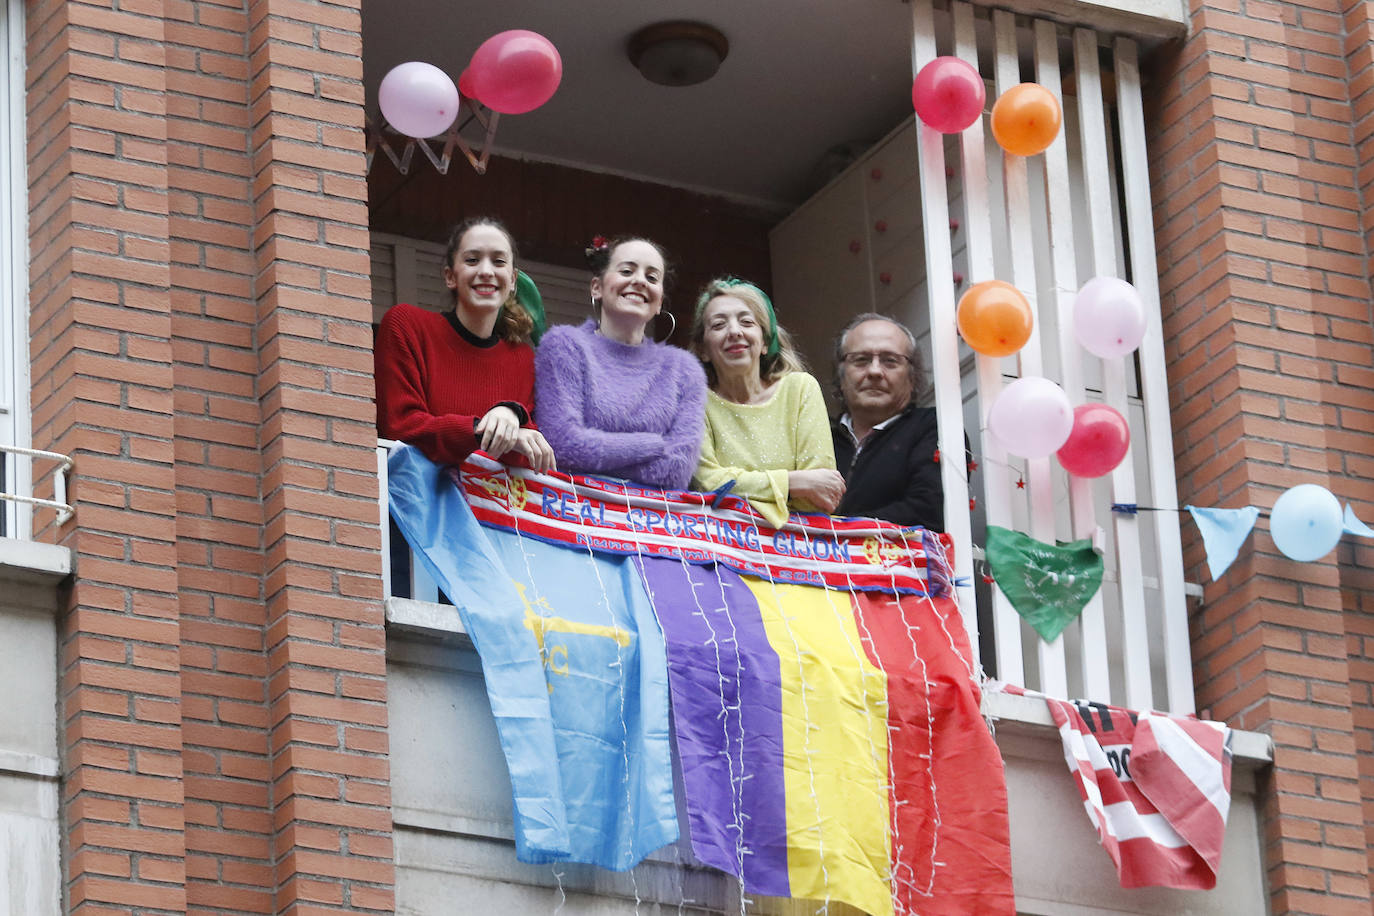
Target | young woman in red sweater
(454,382)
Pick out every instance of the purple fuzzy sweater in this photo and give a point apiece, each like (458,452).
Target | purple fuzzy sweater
(618,410)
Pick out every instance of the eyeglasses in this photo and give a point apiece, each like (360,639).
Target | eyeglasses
(885,359)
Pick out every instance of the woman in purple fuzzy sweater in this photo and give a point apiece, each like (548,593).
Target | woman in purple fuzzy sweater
(610,400)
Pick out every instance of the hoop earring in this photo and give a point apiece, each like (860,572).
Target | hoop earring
(671,330)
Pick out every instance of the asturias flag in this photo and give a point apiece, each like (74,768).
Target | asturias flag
(575,673)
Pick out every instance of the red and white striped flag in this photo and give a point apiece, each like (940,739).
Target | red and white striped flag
(1156,787)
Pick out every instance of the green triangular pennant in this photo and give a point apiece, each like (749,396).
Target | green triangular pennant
(1048,585)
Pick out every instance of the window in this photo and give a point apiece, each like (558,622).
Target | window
(15,474)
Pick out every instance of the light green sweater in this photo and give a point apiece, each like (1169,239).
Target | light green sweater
(755,445)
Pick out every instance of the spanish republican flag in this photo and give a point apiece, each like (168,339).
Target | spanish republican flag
(831,743)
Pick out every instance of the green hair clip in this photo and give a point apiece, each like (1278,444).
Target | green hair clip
(722,286)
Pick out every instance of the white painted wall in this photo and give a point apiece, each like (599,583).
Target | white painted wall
(30,872)
(455,852)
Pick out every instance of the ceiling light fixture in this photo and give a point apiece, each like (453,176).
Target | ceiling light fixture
(678,53)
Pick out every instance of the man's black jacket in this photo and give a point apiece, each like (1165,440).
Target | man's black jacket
(895,476)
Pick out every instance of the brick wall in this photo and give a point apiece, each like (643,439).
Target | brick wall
(1357,415)
(201,347)
(1259,165)
(101,348)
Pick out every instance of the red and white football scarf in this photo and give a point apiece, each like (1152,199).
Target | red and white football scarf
(614,516)
(1156,787)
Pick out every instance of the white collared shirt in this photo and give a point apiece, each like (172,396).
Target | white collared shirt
(848,425)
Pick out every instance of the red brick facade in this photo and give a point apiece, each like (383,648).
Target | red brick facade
(1262,162)
(200,301)
(201,347)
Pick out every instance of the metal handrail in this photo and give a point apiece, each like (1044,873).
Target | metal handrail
(59,483)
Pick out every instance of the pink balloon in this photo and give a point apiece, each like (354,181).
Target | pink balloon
(948,94)
(418,99)
(1032,417)
(1108,317)
(515,72)
(1098,443)
(465,87)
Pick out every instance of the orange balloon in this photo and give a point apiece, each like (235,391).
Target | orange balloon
(1026,119)
(994,318)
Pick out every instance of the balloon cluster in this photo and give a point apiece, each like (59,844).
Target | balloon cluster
(511,72)
(1033,417)
(948,96)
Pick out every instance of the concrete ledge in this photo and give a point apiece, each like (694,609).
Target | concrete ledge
(31,562)
(1030,715)
(431,622)
(21,764)
(426,620)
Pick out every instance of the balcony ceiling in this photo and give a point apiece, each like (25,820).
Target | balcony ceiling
(802,78)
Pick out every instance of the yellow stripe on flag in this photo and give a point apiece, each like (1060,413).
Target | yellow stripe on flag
(834,726)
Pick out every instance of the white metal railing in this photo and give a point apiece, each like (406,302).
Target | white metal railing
(1058,221)
(421,586)
(17,526)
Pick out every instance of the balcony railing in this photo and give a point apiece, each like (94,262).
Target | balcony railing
(1047,224)
(399,564)
(17,502)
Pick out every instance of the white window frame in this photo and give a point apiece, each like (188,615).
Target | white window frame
(14,317)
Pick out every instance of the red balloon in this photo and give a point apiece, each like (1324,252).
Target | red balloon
(948,94)
(465,87)
(1098,443)
(515,72)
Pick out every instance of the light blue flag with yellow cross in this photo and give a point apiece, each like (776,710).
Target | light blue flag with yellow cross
(575,670)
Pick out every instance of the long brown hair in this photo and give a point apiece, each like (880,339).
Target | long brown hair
(513,323)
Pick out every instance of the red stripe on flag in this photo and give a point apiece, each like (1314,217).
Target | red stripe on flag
(1166,780)
(951,845)
(1144,863)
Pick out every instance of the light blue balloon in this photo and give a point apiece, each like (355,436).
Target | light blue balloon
(1306,522)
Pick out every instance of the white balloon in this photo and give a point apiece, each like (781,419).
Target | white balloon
(1032,417)
(1108,317)
(418,99)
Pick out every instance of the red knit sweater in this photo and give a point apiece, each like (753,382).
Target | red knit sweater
(433,385)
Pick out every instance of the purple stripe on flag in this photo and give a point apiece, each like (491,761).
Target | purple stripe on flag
(727,711)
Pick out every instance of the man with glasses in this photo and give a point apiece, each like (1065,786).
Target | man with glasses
(885,445)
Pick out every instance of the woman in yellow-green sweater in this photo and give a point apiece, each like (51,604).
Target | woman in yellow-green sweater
(766,424)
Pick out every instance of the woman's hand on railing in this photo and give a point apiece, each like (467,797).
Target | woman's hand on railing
(821,487)
(532,444)
(499,428)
